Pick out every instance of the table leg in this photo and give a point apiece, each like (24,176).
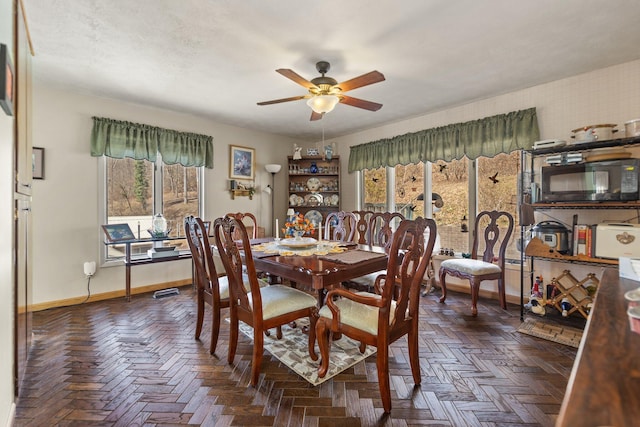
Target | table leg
(128,282)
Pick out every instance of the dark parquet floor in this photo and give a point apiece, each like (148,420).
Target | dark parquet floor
(114,363)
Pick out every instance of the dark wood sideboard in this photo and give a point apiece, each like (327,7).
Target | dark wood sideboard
(604,387)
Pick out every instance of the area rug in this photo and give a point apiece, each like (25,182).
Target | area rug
(292,350)
(566,335)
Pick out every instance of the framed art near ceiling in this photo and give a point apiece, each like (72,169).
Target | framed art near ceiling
(242,162)
(37,165)
(118,232)
(6,81)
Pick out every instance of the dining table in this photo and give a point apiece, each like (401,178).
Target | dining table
(320,265)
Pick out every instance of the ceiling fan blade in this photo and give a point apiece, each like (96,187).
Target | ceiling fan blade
(315,116)
(360,103)
(292,75)
(277,101)
(363,80)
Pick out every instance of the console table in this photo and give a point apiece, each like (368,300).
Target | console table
(130,261)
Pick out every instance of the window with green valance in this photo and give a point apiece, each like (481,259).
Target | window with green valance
(120,139)
(504,133)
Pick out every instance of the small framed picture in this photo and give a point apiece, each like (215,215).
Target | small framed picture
(7,86)
(313,152)
(37,162)
(118,232)
(242,162)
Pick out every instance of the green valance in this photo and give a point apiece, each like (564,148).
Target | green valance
(487,137)
(120,139)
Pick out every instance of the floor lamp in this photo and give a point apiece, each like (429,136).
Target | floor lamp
(273,169)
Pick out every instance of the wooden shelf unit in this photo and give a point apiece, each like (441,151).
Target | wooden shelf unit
(328,191)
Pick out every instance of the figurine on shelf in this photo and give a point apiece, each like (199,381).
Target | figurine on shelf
(328,152)
(297,152)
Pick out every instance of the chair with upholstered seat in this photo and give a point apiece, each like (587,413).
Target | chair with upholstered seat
(249,220)
(340,226)
(379,233)
(259,308)
(362,225)
(493,229)
(212,288)
(391,312)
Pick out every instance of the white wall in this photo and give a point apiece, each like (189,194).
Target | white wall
(65,204)
(610,95)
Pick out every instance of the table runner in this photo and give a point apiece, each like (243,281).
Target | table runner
(353,257)
(324,247)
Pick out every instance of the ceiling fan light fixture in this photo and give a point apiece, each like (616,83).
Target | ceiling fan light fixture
(323,103)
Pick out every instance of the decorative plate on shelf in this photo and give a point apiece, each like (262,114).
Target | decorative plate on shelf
(334,200)
(313,184)
(313,199)
(293,200)
(303,242)
(314,216)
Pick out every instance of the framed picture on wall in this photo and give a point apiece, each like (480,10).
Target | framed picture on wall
(242,161)
(6,81)
(37,162)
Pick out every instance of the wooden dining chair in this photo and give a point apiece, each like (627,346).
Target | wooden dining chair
(487,265)
(261,308)
(379,233)
(362,225)
(391,312)
(210,288)
(340,226)
(245,217)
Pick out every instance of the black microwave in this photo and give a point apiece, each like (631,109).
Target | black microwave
(591,181)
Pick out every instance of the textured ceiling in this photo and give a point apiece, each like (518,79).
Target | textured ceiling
(217,59)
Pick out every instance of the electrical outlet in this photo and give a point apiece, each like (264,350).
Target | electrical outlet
(89,268)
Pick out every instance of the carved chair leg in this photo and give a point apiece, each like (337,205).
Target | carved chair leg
(501,293)
(215,329)
(382,363)
(233,339)
(256,360)
(414,360)
(313,320)
(200,316)
(323,330)
(475,289)
(443,285)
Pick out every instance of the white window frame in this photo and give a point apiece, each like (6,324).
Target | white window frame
(157,185)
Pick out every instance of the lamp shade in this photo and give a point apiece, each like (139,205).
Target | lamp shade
(273,168)
(323,103)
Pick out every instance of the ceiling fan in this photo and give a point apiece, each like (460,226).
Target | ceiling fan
(325,92)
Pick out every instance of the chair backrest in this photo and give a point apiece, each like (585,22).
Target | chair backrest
(206,276)
(340,226)
(242,217)
(225,229)
(493,230)
(381,228)
(362,225)
(409,256)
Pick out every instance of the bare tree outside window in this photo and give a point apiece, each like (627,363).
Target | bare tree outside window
(132,187)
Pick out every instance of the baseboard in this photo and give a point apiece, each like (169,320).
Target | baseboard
(12,415)
(109,295)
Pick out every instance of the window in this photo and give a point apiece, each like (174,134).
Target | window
(496,188)
(136,190)
(450,182)
(375,189)
(409,191)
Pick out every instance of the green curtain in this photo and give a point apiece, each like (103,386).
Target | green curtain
(120,139)
(487,137)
